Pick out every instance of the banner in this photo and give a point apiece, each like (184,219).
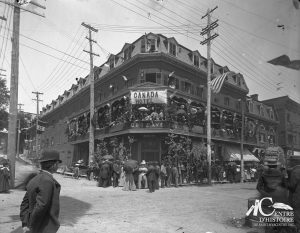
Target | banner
(148,97)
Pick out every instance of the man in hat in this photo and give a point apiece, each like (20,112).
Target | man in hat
(39,210)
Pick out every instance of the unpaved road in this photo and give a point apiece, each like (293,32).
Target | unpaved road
(190,209)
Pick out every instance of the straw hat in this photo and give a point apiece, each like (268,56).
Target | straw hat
(143,162)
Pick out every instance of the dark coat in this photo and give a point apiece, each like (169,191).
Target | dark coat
(40,206)
(294,187)
(105,170)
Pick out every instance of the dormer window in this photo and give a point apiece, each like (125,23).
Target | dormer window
(196,61)
(250,106)
(271,114)
(261,111)
(226,101)
(172,49)
(127,53)
(112,62)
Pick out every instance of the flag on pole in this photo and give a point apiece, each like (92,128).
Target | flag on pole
(217,83)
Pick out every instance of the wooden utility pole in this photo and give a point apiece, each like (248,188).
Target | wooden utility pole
(207,30)
(37,120)
(13,101)
(19,130)
(14,79)
(242,140)
(92,94)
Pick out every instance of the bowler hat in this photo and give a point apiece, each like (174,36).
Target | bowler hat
(49,155)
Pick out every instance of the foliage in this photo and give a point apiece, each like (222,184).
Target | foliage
(3,119)
(4,94)
(119,151)
(4,100)
(100,151)
(179,147)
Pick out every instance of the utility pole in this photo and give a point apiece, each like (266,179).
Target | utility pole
(207,30)
(19,130)
(37,120)
(14,79)
(92,94)
(242,141)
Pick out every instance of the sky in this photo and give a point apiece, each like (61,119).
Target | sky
(250,34)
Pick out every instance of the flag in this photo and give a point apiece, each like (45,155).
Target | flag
(285,61)
(217,83)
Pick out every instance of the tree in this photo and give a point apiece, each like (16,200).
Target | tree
(4,100)
(100,151)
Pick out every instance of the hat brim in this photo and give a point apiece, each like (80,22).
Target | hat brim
(45,160)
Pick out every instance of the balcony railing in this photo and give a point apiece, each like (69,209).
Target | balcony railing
(177,127)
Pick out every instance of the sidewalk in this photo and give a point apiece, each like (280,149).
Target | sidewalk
(190,209)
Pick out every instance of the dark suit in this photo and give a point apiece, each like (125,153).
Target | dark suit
(105,175)
(40,206)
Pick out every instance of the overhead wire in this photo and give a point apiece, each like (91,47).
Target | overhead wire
(221,51)
(66,71)
(59,65)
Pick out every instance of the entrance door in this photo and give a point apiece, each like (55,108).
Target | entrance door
(150,148)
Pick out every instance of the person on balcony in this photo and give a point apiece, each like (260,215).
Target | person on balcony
(142,175)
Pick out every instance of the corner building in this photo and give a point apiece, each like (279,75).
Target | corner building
(153,87)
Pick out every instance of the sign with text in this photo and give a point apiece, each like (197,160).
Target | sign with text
(148,97)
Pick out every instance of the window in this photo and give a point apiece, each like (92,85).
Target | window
(152,45)
(288,117)
(234,78)
(271,114)
(261,111)
(172,49)
(196,61)
(226,101)
(239,81)
(112,63)
(238,105)
(153,77)
(188,87)
(290,139)
(127,53)
(173,82)
(250,106)
(199,92)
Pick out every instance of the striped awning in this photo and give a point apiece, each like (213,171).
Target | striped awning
(233,153)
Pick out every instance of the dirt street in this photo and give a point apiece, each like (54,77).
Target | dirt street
(190,209)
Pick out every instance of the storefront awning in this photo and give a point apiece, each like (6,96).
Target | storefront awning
(233,153)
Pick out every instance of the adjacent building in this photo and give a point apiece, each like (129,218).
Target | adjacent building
(152,88)
(289,128)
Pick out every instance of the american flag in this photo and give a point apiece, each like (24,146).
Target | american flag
(217,83)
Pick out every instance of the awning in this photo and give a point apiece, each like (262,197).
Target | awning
(233,153)
(297,153)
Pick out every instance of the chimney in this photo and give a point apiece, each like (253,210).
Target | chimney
(254,97)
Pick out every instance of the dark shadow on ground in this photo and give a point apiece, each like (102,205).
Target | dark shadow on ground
(71,210)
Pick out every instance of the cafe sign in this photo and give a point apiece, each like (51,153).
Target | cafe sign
(148,97)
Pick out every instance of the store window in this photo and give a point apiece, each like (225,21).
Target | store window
(154,77)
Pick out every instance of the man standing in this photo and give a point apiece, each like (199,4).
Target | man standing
(39,210)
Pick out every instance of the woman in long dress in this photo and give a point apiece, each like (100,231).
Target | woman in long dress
(122,178)
(4,179)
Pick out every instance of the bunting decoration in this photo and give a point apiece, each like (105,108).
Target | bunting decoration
(217,83)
